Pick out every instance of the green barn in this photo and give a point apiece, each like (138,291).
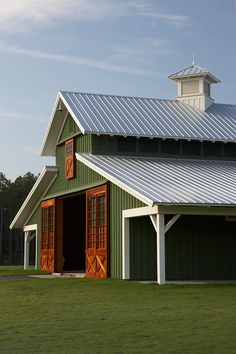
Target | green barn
(142,189)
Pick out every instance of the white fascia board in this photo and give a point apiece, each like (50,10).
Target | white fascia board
(17,223)
(51,136)
(114,180)
(71,113)
(198,209)
(44,193)
(44,150)
(143,211)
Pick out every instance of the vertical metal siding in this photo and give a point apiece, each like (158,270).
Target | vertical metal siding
(84,143)
(104,145)
(119,200)
(84,175)
(70,128)
(143,255)
(207,251)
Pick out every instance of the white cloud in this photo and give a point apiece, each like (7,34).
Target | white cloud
(21,16)
(97,64)
(177,21)
(146,8)
(12,117)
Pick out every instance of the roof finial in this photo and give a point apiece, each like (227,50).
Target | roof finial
(193,62)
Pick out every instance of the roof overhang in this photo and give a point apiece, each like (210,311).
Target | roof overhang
(193,71)
(40,188)
(170,182)
(56,124)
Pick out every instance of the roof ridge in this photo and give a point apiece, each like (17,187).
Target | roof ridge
(114,95)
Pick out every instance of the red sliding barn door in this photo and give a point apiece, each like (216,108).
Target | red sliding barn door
(97,249)
(51,236)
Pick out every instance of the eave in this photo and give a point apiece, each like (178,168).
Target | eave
(32,201)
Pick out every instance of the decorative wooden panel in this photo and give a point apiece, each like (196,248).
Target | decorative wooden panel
(70,159)
(97,242)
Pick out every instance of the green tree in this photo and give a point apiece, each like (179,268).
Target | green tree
(4,182)
(12,195)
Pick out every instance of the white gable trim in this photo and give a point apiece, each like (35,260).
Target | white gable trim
(71,113)
(40,188)
(55,126)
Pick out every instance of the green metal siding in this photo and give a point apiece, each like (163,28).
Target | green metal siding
(84,143)
(85,177)
(201,248)
(104,144)
(130,146)
(119,200)
(70,128)
(143,260)
(35,218)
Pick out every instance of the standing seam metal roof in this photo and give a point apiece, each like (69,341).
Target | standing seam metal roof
(135,116)
(193,71)
(169,181)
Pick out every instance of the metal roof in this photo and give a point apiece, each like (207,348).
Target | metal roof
(169,181)
(193,71)
(103,114)
(34,197)
(140,117)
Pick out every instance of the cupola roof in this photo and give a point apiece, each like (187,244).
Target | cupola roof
(193,71)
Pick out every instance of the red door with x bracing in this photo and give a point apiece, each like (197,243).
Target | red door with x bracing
(97,232)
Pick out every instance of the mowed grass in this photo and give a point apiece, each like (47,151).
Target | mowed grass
(71,315)
(19,270)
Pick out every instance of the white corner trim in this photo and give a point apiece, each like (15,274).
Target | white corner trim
(113,180)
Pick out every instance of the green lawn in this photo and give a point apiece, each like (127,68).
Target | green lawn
(72,315)
(18,270)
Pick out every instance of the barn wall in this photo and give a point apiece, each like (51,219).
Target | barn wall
(119,200)
(143,254)
(70,128)
(201,248)
(84,177)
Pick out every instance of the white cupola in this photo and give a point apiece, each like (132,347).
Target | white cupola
(194,86)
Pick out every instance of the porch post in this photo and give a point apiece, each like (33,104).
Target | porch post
(161,272)
(125,249)
(26,250)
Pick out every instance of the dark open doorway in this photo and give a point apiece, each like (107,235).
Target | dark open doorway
(74,219)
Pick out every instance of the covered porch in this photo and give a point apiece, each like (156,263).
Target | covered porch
(184,243)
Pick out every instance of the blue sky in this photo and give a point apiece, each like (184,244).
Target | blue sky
(123,47)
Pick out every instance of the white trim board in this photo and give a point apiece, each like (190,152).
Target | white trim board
(113,180)
(34,197)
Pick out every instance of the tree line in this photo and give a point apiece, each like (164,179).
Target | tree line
(12,195)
